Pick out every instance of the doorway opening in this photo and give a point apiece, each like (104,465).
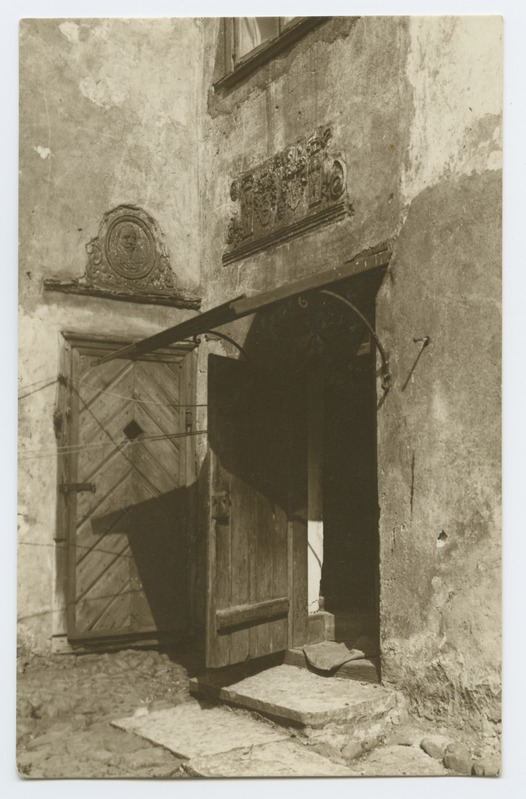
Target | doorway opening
(349,579)
(294,482)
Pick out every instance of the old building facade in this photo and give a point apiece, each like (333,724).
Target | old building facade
(329,455)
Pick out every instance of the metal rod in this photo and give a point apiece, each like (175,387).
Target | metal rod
(224,336)
(386,375)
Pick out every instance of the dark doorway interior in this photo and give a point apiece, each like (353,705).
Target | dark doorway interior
(350,500)
(284,347)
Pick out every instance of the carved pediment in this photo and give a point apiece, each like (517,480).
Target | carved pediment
(129,254)
(128,260)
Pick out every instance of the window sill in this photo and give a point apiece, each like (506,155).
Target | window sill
(267,51)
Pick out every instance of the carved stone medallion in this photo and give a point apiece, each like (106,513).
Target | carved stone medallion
(129,255)
(294,191)
(130,248)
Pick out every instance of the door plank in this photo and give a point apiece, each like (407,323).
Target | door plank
(98,528)
(153,380)
(93,568)
(155,425)
(151,471)
(221,588)
(113,582)
(106,479)
(262,537)
(241,520)
(253,613)
(298,583)
(101,376)
(118,389)
(116,616)
(279,628)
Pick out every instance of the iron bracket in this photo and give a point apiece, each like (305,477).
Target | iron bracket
(386,374)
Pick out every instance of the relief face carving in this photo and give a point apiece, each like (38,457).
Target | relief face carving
(130,248)
(129,255)
(299,188)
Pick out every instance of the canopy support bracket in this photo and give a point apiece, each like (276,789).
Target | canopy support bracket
(386,374)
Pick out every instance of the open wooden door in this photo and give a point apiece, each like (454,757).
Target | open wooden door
(248,572)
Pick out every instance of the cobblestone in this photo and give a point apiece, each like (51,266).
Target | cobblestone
(65,704)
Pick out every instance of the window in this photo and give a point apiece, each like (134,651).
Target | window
(250,32)
(252,41)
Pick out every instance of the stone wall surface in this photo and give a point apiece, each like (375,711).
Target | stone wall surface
(109,115)
(439,429)
(414,106)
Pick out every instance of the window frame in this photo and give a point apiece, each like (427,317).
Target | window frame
(238,68)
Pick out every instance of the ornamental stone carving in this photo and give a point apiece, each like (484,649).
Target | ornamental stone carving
(298,189)
(128,261)
(128,254)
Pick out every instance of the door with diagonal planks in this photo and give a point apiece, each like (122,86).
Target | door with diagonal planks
(125,492)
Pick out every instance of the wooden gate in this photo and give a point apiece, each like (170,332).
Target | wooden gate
(248,553)
(122,491)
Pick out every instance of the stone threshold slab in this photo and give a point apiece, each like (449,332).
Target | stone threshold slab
(191,730)
(277,759)
(298,697)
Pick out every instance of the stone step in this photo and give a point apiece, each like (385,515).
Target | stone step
(283,759)
(364,670)
(223,742)
(297,697)
(191,730)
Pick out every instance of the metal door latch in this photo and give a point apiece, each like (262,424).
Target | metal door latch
(67,488)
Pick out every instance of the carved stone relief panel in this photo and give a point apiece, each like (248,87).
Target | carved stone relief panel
(129,255)
(128,260)
(296,190)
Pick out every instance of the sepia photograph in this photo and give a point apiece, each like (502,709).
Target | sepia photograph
(259,397)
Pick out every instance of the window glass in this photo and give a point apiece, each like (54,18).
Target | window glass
(253,31)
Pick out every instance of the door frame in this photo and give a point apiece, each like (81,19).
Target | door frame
(65,420)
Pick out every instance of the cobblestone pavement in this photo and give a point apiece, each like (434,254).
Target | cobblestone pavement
(65,704)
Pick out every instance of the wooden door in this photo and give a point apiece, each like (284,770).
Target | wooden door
(125,495)
(248,586)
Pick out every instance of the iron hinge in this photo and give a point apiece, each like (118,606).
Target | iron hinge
(67,488)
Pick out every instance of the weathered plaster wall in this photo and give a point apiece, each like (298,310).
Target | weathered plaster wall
(109,114)
(349,74)
(415,107)
(439,429)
